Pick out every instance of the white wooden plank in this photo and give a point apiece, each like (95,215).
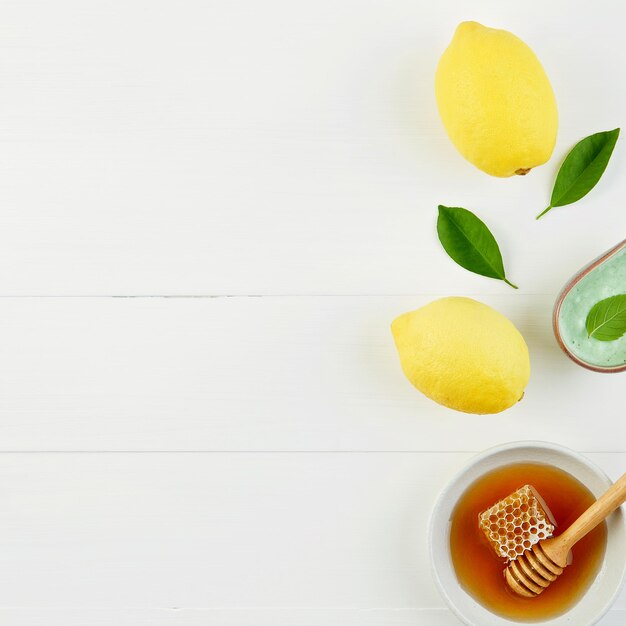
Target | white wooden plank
(217,530)
(311,373)
(247,617)
(245,535)
(245,147)
(232,617)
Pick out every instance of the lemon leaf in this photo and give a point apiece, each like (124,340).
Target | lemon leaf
(606,320)
(469,242)
(582,169)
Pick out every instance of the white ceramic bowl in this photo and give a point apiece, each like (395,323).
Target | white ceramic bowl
(603,591)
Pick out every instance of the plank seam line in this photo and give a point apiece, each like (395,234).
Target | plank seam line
(272,451)
(234,608)
(252,295)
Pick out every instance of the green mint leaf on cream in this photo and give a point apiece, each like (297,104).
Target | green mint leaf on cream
(606,320)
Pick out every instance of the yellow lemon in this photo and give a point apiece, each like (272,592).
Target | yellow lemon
(463,354)
(496,101)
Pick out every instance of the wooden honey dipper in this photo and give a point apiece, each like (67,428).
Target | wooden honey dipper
(531,572)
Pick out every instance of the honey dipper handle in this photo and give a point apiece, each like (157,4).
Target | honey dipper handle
(596,513)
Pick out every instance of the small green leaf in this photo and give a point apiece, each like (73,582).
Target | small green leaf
(607,319)
(470,243)
(582,169)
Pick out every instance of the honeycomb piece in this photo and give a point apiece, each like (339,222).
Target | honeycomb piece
(516,523)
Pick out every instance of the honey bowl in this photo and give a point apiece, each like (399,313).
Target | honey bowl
(586,596)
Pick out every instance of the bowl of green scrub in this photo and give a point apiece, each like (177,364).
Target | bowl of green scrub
(602,279)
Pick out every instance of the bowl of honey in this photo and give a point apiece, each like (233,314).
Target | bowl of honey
(469,573)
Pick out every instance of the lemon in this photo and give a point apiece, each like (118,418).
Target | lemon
(463,354)
(495,100)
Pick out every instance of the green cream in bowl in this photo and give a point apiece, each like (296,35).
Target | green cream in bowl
(604,278)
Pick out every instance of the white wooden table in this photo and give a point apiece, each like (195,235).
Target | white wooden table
(210,213)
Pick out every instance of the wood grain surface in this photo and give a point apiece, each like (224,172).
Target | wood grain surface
(210,214)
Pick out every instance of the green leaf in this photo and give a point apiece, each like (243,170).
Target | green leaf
(470,243)
(582,169)
(607,319)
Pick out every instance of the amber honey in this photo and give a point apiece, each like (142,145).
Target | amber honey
(480,570)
